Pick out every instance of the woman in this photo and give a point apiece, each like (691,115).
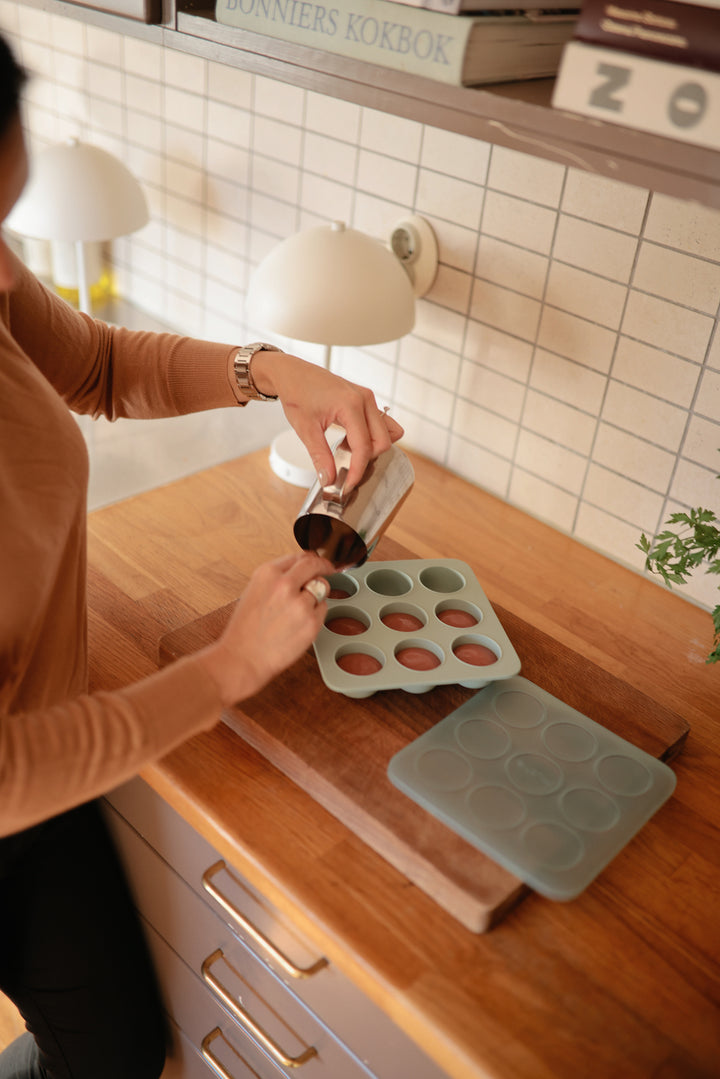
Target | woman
(71,954)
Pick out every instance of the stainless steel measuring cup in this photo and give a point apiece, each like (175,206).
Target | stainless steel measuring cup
(345,528)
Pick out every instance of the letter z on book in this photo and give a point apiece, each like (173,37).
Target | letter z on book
(672,100)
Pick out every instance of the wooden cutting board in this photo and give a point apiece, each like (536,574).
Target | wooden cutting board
(337,749)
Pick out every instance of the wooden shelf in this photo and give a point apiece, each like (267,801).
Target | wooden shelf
(515,115)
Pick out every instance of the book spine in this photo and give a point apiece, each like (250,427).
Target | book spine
(448,7)
(686,34)
(701,3)
(459,7)
(649,95)
(378,31)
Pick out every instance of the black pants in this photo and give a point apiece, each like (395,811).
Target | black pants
(73,959)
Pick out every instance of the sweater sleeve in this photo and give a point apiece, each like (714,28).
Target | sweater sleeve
(114,372)
(102,739)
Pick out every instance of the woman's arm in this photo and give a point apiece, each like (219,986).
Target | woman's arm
(108,371)
(59,756)
(114,372)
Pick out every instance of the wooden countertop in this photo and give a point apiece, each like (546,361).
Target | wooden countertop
(623,981)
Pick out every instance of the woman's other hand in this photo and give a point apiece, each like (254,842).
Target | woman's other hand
(275,620)
(313,398)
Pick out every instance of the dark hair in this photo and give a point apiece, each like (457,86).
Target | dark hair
(12,78)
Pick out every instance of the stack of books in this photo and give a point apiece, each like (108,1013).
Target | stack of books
(461,42)
(652,65)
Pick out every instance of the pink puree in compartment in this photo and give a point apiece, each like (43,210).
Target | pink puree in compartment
(359,663)
(417,659)
(401,621)
(462,619)
(477,654)
(345,625)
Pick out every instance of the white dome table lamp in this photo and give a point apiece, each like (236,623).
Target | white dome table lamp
(333,285)
(78,194)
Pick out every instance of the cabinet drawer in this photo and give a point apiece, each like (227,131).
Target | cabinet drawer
(262,1007)
(184,1060)
(205,1026)
(193,858)
(371,1035)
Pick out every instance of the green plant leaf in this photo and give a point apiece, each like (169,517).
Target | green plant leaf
(714,656)
(676,555)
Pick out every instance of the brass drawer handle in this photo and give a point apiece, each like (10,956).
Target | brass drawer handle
(213,1060)
(246,1020)
(267,945)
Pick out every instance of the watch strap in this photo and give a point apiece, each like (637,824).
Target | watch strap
(242,365)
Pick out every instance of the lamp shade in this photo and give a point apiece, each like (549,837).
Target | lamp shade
(78,192)
(332,285)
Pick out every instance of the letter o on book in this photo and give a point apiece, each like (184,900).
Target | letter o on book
(423,44)
(687,105)
(369,30)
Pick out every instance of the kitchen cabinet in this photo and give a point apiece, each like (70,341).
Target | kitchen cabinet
(623,981)
(515,115)
(240,985)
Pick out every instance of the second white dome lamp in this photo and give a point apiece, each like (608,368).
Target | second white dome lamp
(79,194)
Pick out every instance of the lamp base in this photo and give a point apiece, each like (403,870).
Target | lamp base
(291,461)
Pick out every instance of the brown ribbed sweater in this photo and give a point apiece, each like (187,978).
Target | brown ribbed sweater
(59,745)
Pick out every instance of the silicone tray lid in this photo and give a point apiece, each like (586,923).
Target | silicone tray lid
(380,600)
(540,788)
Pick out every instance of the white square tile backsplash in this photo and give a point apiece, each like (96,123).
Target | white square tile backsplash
(570,426)
(567,381)
(529,226)
(585,294)
(499,351)
(386,177)
(455,155)
(545,500)
(576,338)
(449,198)
(667,325)
(529,178)
(517,268)
(230,85)
(603,251)
(675,276)
(684,225)
(708,399)
(646,368)
(606,202)
(566,359)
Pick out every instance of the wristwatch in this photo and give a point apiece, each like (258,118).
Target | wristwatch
(243,373)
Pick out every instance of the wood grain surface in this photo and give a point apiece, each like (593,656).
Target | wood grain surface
(623,981)
(338,749)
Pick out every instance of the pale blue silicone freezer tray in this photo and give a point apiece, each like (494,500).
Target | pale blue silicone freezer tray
(540,788)
(423,587)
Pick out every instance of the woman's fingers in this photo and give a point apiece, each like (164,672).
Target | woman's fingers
(275,620)
(314,398)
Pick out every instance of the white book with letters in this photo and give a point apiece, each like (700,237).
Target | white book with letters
(663,98)
(467,50)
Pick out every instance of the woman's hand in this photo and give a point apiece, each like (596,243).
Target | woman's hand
(273,623)
(313,398)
